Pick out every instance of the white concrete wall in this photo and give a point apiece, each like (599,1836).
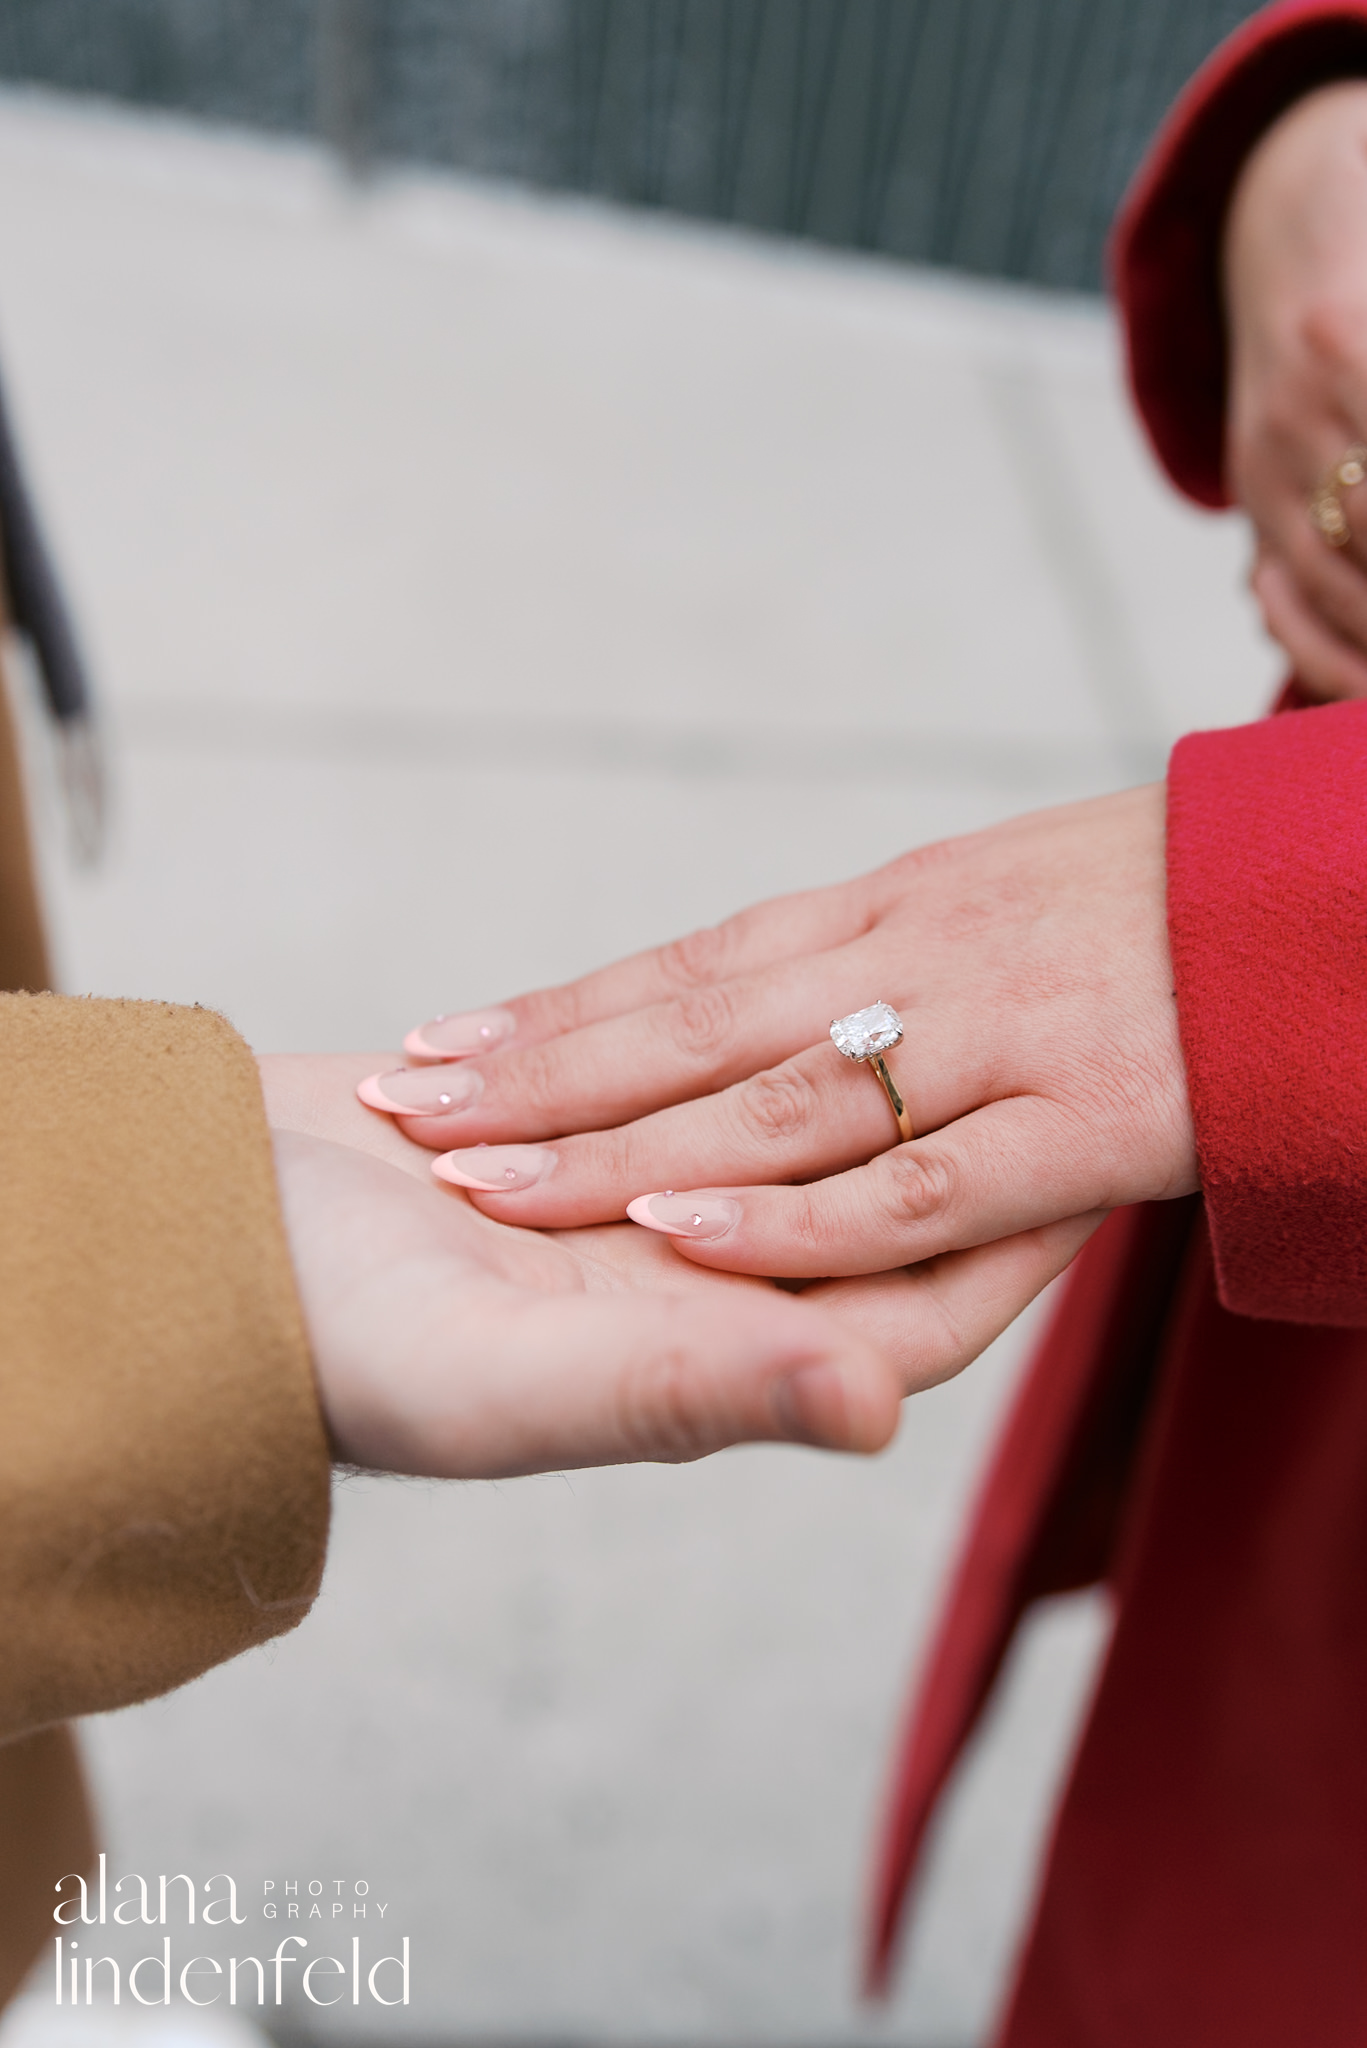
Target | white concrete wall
(480,586)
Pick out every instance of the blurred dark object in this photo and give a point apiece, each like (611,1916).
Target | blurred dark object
(39,614)
(347,75)
(991,135)
(36,604)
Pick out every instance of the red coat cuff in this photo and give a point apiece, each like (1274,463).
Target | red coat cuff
(1166,250)
(1267,912)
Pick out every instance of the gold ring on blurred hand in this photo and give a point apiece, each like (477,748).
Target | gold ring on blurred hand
(1327,515)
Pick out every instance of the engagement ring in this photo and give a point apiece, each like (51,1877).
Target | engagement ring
(864,1036)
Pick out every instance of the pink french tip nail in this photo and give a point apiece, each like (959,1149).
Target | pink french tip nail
(495,1169)
(460,1036)
(695,1216)
(421,1091)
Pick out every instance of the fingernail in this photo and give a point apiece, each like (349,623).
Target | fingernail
(422,1091)
(696,1216)
(812,1405)
(495,1169)
(456,1037)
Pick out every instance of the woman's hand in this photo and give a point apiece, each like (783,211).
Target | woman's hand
(1041,1057)
(1296,290)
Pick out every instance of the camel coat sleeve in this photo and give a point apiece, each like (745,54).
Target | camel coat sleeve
(164,1470)
(163,1466)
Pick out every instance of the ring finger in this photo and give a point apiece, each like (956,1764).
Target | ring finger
(625,1067)
(1012,1166)
(812,1115)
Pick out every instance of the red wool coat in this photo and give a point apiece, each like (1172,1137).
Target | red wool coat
(1193,1429)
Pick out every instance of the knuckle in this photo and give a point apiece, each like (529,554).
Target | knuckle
(813,1228)
(918,1187)
(658,1414)
(701,1022)
(532,1081)
(607,1162)
(556,1011)
(923,868)
(778,1105)
(695,959)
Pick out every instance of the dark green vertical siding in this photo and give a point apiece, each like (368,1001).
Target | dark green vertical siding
(992,135)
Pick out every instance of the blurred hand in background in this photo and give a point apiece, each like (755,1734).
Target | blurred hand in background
(1296,293)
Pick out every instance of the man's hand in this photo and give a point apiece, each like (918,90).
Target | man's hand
(451,1345)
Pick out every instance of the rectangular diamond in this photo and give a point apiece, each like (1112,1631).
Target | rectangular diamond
(865,1032)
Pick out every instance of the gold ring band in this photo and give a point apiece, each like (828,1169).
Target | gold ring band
(894,1095)
(864,1037)
(1327,515)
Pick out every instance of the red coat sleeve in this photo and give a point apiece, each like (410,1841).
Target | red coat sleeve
(1165,253)
(1267,912)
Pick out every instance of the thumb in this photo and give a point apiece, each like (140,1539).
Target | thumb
(545,1383)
